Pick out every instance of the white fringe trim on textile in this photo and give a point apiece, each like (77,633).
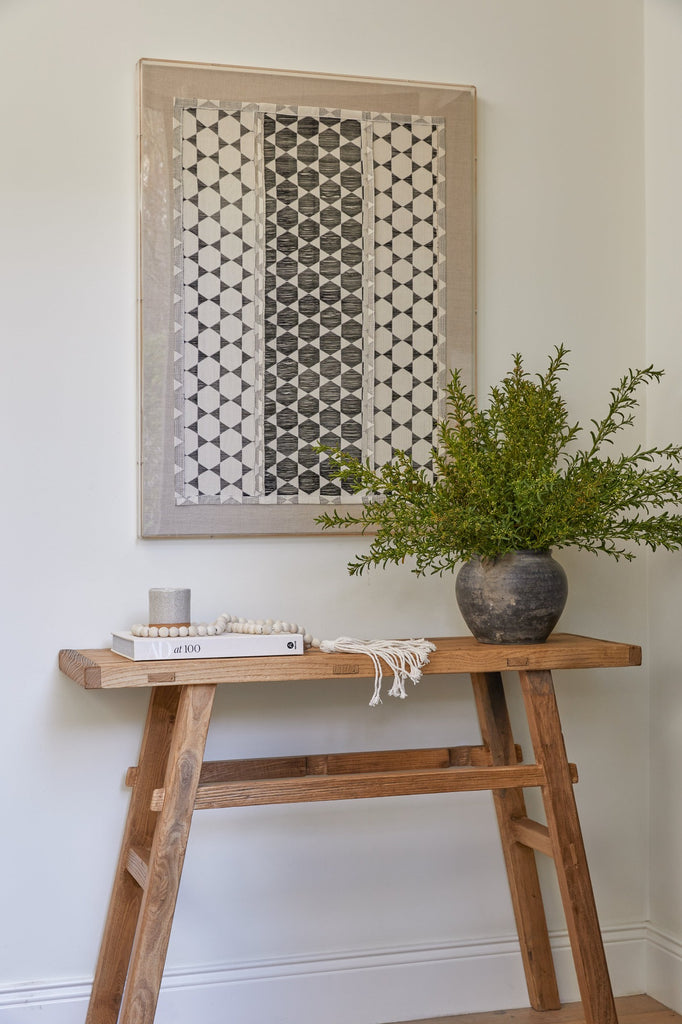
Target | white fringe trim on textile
(405,658)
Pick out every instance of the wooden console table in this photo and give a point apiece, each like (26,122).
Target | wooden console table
(171,781)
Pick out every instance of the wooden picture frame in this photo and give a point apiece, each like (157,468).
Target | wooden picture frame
(307,275)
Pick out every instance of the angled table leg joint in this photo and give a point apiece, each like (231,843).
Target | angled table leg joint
(142,905)
(563,828)
(519,840)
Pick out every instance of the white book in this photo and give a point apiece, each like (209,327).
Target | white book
(227,645)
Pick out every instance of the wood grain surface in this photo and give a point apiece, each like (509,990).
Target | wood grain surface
(167,855)
(126,897)
(524,883)
(102,669)
(631,1010)
(568,848)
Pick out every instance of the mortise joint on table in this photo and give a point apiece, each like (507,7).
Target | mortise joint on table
(171,781)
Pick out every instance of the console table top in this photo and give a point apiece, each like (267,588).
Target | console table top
(103,669)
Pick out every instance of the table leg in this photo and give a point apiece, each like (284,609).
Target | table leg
(522,871)
(167,855)
(569,851)
(137,929)
(126,896)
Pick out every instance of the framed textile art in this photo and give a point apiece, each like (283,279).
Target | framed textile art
(307,277)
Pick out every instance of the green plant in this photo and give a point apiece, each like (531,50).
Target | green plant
(511,477)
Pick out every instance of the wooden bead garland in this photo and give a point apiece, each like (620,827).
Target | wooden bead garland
(227,624)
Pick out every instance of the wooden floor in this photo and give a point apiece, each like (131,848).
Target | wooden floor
(631,1010)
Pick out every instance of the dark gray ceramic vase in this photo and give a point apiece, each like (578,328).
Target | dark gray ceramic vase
(516,599)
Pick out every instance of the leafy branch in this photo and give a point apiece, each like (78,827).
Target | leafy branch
(508,477)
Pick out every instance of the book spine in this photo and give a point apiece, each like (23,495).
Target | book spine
(201,647)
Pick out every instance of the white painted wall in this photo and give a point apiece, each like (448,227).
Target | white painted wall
(367,911)
(663,79)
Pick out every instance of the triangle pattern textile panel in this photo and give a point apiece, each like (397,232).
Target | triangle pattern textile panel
(310,296)
(218,353)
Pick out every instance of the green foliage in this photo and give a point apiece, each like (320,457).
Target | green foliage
(511,477)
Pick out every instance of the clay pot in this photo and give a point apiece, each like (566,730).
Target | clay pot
(515,599)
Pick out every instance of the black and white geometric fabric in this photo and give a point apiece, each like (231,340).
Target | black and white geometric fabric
(409,288)
(313,299)
(219,264)
(310,296)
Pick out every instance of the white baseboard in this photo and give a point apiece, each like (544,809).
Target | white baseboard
(664,968)
(370,987)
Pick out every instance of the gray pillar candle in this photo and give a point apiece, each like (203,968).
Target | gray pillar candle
(169,606)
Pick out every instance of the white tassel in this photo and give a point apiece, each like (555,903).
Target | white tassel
(405,658)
